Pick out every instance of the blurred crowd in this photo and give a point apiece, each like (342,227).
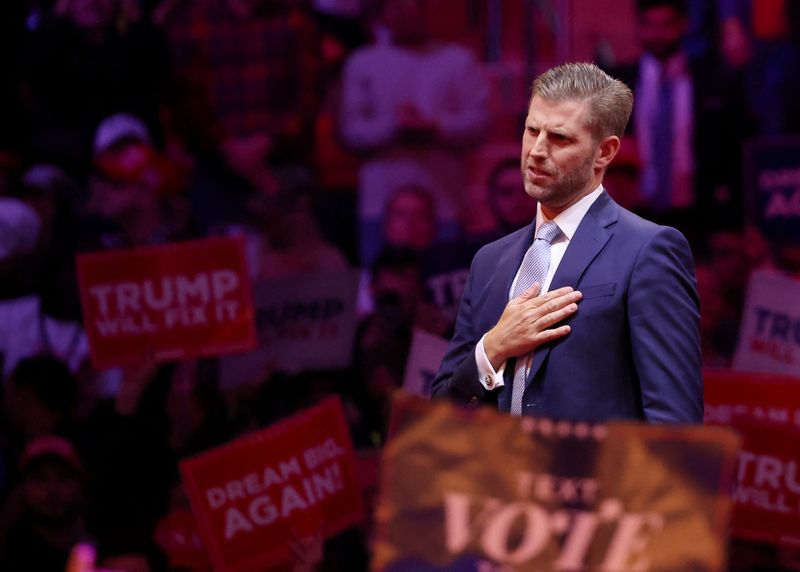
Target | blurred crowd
(330,134)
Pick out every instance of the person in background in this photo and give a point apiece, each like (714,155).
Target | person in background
(446,264)
(623,175)
(719,321)
(20,228)
(41,397)
(409,219)
(57,199)
(384,336)
(723,277)
(248,73)
(412,106)
(511,207)
(762,39)
(161,414)
(689,121)
(288,238)
(51,507)
(20,231)
(134,190)
(35,316)
(94,58)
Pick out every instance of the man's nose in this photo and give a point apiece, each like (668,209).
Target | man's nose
(539,147)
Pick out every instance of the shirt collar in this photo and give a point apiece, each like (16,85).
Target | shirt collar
(569,219)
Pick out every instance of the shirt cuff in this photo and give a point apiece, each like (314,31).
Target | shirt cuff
(487,376)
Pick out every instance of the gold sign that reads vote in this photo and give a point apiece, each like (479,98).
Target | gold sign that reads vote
(479,491)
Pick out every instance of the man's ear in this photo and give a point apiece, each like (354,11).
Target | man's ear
(607,150)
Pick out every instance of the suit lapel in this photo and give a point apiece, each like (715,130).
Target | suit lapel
(502,275)
(591,235)
(497,298)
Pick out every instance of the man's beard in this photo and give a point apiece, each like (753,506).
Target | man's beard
(564,187)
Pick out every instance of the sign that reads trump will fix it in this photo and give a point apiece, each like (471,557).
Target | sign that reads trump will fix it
(765,410)
(253,496)
(166,302)
(475,491)
(767,491)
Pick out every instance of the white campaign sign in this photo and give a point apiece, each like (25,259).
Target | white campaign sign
(423,362)
(305,322)
(769,336)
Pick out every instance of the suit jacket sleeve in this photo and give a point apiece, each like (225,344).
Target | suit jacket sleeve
(663,313)
(457,378)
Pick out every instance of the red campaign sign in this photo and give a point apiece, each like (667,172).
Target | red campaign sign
(255,496)
(762,396)
(178,537)
(767,492)
(175,301)
(765,409)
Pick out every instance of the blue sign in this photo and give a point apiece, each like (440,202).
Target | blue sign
(772,171)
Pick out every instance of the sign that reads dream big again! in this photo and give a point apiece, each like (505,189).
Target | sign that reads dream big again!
(475,491)
(733,395)
(166,302)
(296,478)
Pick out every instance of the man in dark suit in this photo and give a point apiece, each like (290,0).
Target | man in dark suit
(689,124)
(589,312)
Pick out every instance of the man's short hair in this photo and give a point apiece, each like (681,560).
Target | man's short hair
(610,100)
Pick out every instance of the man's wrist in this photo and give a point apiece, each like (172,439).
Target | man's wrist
(488,376)
(493,353)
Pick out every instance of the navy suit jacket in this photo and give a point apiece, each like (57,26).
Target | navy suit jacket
(634,347)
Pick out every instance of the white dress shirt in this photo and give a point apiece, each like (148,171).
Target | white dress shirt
(650,72)
(568,221)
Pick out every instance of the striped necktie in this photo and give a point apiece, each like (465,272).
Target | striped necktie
(533,269)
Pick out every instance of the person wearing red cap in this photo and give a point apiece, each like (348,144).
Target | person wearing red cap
(51,494)
(135,188)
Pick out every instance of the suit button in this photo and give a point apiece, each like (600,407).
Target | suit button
(473,401)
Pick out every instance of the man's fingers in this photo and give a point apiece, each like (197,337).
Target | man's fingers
(555,315)
(553,334)
(524,324)
(531,296)
(531,292)
(558,292)
(553,301)
(562,296)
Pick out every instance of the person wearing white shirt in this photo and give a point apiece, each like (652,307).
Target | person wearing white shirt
(591,312)
(412,107)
